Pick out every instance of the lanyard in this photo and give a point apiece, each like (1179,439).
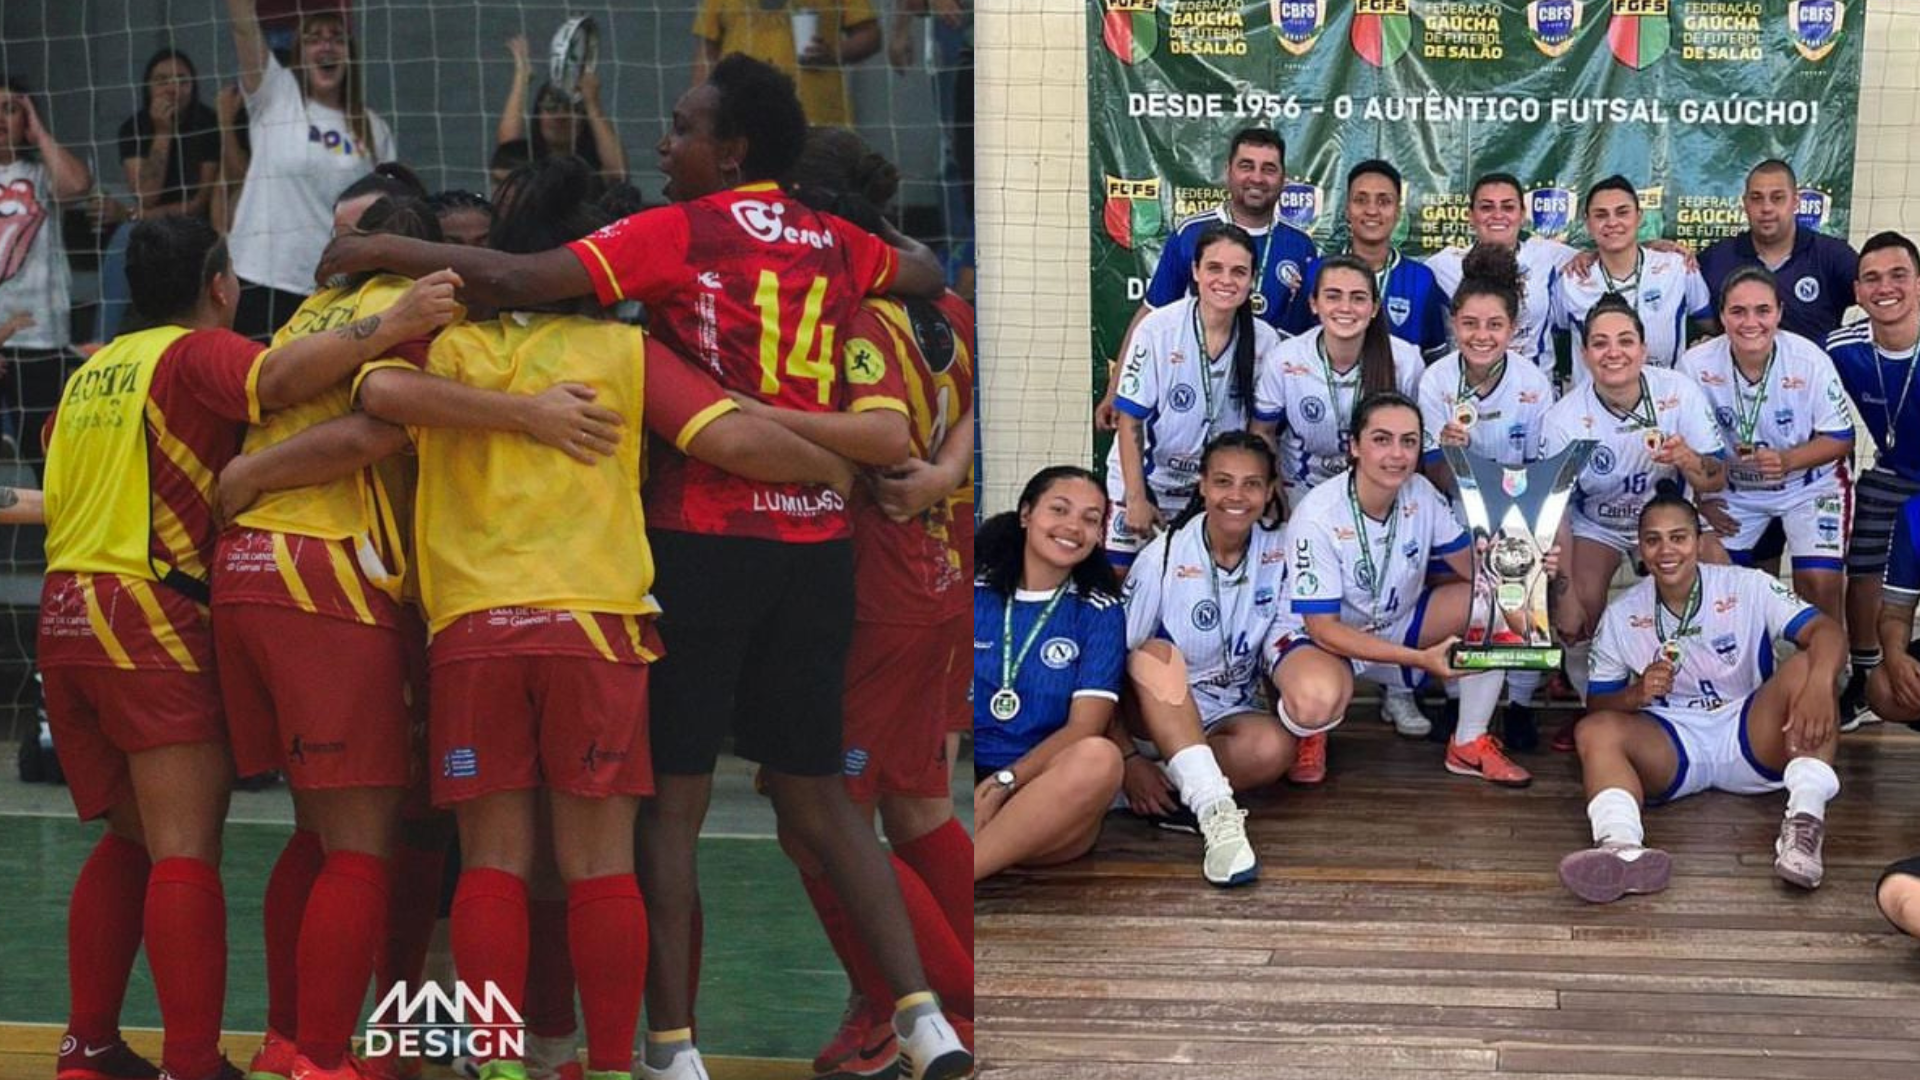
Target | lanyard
(1259,297)
(1750,418)
(1368,569)
(1009,663)
(1893,410)
(1627,284)
(1643,414)
(1670,643)
(1341,413)
(1213,580)
(1469,390)
(1206,371)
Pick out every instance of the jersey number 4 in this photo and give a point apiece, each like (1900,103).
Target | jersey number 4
(808,358)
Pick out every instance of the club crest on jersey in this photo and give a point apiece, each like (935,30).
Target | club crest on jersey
(1602,461)
(1181,399)
(1724,414)
(1398,308)
(766,222)
(1783,416)
(1290,274)
(1653,296)
(1726,645)
(1058,652)
(1313,409)
(1807,289)
(1263,596)
(1297,24)
(1363,576)
(1411,550)
(1206,615)
(1815,26)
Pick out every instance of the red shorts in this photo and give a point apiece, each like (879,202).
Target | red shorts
(956,693)
(894,737)
(99,715)
(570,723)
(323,700)
(419,801)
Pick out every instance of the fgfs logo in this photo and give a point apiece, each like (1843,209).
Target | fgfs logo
(1815,26)
(1381,31)
(423,1021)
(1640,32)
(1129,30)
(1554,23)
(1297,24)
(1132,212)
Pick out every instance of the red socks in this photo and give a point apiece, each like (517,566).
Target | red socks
(549,971)
(285,908)
(411,913)
(607,928)
(944,860)
(949,967)
(490,939)
(186,933)
(344,926)
(103,935)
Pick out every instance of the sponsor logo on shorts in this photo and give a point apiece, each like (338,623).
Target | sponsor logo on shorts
(594,757)
(1058,652)
(856,761)
(298,750)
(460,763)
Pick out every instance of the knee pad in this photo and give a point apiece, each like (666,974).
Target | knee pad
(1163,680)
(1293,726)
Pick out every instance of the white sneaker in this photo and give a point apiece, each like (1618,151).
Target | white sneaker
(686,1065)
(932,1050)
(547,1058)
(1229,859)
(1398,708)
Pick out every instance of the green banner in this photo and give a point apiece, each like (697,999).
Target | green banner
(1680,96)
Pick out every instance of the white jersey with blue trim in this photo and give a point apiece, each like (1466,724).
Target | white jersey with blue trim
(1161,385)
(1293,391)
(1620,476)
(1219,619)
(1665,293)
(1507,415)
(1540,262)
(1329,574)
(1726,645)
(1801,397)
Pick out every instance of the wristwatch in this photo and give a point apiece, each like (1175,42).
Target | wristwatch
(1006,780)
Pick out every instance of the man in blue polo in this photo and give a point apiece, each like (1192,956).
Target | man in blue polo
(1815,271)
(1256,175)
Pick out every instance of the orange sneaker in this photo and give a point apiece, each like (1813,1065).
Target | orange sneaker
(876,1056)
(1310,761)
(274,1059)
(1483,758)
(855,1022)
(348,1069)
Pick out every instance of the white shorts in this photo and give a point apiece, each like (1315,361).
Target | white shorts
(1713,752)
(1626,541)
(1121,542)
(1405,630)
(1212,718)
(1816,526)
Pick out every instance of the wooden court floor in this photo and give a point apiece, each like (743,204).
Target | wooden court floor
(1408,924)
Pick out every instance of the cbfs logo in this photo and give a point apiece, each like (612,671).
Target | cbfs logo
(1300,204)
(1811,211)
(1550,211)
(1381,31)
(1640,32)
(1297,24)
(1814,26)
(1132,211)
(1554,23)
(1129,30)
(424,1021)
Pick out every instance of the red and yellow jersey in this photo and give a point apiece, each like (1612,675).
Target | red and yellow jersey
(144,428)
(337,549)
(755,288)
(917,571)
(504,522)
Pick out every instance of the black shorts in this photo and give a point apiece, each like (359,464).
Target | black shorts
(1877,499)
(756,634)
(264,310)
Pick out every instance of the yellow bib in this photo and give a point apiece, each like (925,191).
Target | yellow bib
(99,489)
(501,520)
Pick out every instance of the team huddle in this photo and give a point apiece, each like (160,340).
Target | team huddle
(403,556)
(1279,504)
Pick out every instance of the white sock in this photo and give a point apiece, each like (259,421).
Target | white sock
(1579,667)
(1521,685)
(1197,776)
(1615,815)
(1452,687)
(1479,693)
(1810,784)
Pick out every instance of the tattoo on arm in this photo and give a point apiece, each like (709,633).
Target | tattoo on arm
(8,497)
(361,330)
(1709,467)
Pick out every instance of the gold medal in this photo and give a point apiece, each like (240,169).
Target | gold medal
(1654,440)
(1259,303)
(1465,414)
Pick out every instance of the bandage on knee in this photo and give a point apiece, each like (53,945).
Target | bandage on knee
(1164,679)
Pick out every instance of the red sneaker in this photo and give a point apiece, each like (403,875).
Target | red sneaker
(274,1059)
(855,1022)
(109,1061)
(1563,740)
(348,1069)
(1483,758)
(876,1056)
(1310,761)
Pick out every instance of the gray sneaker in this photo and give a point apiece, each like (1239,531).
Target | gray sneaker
(1229,859)
(1796,854)
(1603,874)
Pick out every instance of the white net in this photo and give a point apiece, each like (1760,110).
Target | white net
(438,74)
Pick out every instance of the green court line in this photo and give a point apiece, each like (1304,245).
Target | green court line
(770,986)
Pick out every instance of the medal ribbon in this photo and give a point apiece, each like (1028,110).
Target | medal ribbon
(1749,420)
(1368,568)
(1009,663)
(1686,617)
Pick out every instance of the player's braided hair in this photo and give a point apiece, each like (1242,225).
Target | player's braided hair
(840,174)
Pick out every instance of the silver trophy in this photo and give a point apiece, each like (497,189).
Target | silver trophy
(1514,515)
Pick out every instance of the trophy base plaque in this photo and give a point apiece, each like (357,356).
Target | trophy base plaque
(1505,657)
